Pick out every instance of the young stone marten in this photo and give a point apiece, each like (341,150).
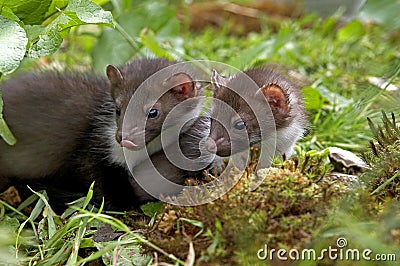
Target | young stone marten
(70,131)
(258,90)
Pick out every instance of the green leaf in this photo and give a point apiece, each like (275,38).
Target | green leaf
(8,13)
(55,6)
(328,25)
(353,31)
(385,12)
(162,12)
(334,100)
(8,227)
(78,12)
(130,252)
(253,53)
(30,12)
(5,132)
(87,243)
(115,48)
(152,208)
(111,48)
(149,40)
(89,196)
(13,43)
(48,41)
(282,37)
(33,32)
(89,12)
(313,99)
(11,223)
(102,2)
(73,258)
(43,205)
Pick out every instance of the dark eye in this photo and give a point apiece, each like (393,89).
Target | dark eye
(153,113)
(240,125)
(117,111)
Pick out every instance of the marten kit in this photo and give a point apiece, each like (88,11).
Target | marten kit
(120,131)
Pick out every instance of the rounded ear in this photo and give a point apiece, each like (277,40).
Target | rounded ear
(114,75)
(276,97)
(217,80)
(181,84)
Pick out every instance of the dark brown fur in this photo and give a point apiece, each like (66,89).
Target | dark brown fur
(65,127)
(47,113)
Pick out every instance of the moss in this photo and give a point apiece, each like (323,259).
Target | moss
(283,211)
(384,159)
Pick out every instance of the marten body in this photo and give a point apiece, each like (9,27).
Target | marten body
(68,133)
(47,113)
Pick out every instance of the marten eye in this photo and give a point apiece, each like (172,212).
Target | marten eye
(117,111)
(153,113)
(240,125)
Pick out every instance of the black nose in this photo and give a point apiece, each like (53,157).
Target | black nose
(118,136)
(211,146)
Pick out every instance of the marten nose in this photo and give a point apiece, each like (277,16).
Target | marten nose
(210,145)
(118,136)
(124,141)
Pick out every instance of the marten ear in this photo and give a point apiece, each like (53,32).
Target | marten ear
(114,75)
(276,98)
(217,80)
(181,84)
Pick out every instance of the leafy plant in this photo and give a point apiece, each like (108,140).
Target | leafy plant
(144,29)
(62,239)
(36,28)
(384,158)
(383,12)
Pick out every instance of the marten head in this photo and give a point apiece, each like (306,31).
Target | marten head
(258,90)
(141,119)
